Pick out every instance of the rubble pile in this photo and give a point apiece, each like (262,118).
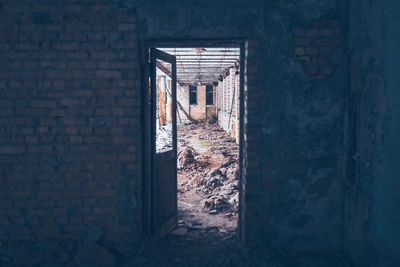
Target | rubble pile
(208,165)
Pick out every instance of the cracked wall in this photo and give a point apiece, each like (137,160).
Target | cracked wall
(291,119)
(70,120)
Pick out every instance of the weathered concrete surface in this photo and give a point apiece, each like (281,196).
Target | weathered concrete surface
(294,197)
(70,133)
(372,189)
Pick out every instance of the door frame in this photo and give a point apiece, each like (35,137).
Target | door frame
(145,47)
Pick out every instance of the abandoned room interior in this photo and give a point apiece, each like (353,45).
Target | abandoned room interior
(200,133)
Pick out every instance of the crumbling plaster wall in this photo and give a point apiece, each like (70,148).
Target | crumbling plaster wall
(182,96)
(294,122)
(372,185)
(198,110)
(302,147)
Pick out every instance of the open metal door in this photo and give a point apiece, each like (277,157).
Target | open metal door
(163,141)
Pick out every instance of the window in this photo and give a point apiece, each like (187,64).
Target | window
(209,95)
(193,95)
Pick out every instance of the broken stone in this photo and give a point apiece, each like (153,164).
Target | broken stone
(186,157)
(212,212)
(94,255)
(216,172)
(93,233)
(232,173)
(213,183)
(234,200)
(216,203)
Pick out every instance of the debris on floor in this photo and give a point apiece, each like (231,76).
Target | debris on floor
(208,171)
(164,138)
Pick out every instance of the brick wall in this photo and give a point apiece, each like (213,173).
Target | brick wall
(182,96)
(315,46)
(69,122)
(198,111)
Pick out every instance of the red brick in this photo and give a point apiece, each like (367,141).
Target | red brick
(326,32)
(311,51)
(319,77)
(302,41)
(56,113)
(127,27)
(12,149)
(326,70)
(312,70)
(319,60)
(334,23)
(76,139)
(31,139)
(79,93)
(319,23)
(43,104)
(73,102)
(325,42)
(298,32)
(299,51)
(305,59)
(102,112)
(312,32)
(128,157)
(325,50)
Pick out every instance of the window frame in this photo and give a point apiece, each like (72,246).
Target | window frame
(190,95)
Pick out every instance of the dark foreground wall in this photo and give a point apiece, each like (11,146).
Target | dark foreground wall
(372,187)
(70,133)
(295,109)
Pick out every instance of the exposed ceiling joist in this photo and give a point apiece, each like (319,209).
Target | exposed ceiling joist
(215,62)
(204,57)
(202,65)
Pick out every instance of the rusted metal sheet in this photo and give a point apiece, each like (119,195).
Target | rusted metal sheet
(161,101)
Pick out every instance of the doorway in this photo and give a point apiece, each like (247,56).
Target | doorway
(196,71)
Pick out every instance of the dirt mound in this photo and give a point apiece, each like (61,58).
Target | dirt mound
(186,157)
(208,165)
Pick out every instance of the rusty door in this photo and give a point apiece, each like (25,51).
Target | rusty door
(164,144)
